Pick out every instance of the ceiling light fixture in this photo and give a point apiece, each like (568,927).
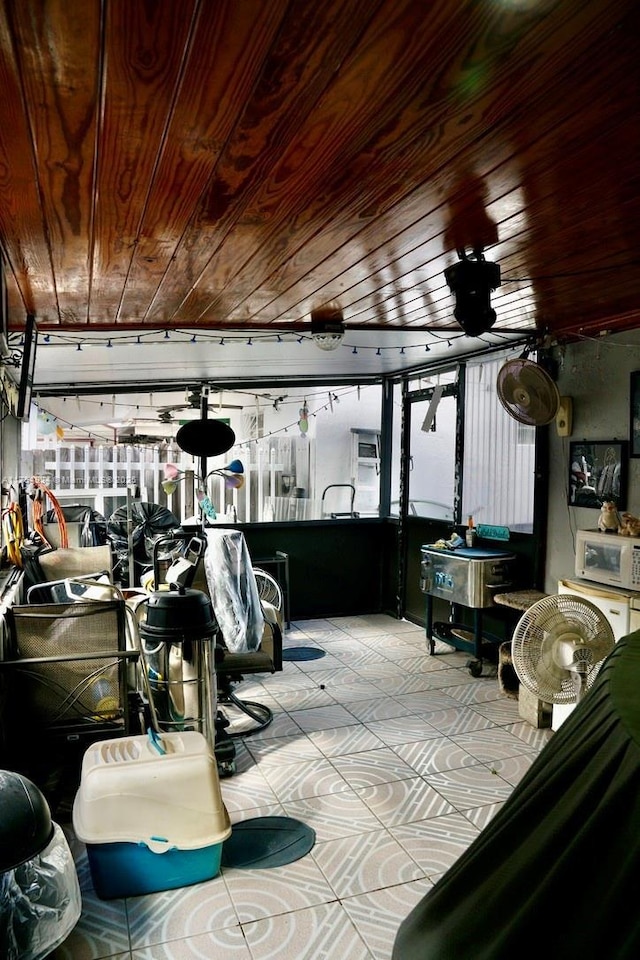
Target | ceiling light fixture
(327,326)
(472,282)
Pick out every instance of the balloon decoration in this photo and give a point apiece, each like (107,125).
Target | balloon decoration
(47,425)
(303,422)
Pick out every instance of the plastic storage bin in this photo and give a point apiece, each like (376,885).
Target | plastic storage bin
(151,820)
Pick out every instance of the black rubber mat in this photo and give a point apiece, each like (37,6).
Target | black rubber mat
(265,842)
(302,653)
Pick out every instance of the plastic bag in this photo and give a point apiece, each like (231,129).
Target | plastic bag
(233,590)
(40,902)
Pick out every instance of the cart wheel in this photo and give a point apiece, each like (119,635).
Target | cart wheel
(226,768)
(475,668)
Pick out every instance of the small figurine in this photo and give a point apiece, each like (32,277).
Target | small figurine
(609,519)
(630,526)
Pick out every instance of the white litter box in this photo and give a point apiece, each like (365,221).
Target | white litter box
(151,820)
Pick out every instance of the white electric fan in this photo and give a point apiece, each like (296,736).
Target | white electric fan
(527,392)
(558,646)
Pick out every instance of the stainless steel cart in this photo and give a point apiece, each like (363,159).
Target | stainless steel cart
(469,577)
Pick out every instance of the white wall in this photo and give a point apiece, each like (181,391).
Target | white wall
(596,374)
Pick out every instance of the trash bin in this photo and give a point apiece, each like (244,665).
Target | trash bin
(40,900)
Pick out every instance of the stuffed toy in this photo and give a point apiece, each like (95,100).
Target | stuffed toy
(630,526)
(609,519)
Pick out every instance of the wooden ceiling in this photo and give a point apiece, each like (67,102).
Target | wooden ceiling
(231,164)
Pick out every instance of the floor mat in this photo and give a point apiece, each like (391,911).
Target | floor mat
(267,842)
(302,653)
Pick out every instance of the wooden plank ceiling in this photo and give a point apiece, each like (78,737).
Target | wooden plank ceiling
(231,164)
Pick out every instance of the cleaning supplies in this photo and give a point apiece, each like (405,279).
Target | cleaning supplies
(471,533)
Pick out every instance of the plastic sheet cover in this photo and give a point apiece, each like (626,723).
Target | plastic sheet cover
(233,590)
(40,902)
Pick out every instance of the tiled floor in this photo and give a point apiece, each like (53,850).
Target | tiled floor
(396,759)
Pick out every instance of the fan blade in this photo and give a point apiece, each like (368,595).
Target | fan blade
(528,393)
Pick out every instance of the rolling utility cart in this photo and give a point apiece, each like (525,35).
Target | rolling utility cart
(468,577)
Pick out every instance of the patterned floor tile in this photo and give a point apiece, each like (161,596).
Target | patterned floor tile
(398,730)
(437,843)
(377,915)
(306,778)
(513,769)
(457,721)
(173,914)
(323,718)
(226,944)
(268,893)
(304,699)
(403,801)
(427,701)
(345,740)
(334,815)
(325,931)
(493,743)
(366,862)
(370,767)
(433,755)
(380,708)
(358,690)
(247,791)
(469,787)
(283,749)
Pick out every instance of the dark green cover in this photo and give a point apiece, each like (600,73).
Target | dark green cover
(556,873)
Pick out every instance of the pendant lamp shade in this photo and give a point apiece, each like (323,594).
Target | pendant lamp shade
(205,438)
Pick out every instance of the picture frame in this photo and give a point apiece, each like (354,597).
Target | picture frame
(598,471)
(634,414)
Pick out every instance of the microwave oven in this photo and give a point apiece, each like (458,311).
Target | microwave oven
(608,558)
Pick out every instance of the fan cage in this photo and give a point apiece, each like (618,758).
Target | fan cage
(540,398)
(544,636)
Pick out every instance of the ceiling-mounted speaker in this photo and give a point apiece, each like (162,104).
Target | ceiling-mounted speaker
(564,417)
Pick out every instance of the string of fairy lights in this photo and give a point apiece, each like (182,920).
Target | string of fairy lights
(277,403)
(177,335)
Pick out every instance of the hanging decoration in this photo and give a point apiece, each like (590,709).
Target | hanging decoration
(46,425)
(303,422)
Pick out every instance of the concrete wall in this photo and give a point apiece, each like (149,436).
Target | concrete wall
(596,374)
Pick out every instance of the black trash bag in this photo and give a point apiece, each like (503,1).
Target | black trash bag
(94,525)
(150,523)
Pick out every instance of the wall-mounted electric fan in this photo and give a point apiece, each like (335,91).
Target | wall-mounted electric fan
(558,646)
(527,392)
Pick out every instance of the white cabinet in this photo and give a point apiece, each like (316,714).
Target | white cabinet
(614,603)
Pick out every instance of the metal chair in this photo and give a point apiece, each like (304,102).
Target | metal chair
(68,678)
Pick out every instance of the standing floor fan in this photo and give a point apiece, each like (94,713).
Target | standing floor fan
(558,646)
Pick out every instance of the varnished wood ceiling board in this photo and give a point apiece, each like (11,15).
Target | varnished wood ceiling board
(229,164)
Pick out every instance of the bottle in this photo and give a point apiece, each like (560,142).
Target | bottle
(470,535)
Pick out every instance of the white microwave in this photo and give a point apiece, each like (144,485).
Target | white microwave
(608,558)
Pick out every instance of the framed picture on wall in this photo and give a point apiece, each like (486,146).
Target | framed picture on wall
(598,472)
(634,414)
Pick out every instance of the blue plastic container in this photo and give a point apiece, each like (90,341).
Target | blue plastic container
(131,869)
